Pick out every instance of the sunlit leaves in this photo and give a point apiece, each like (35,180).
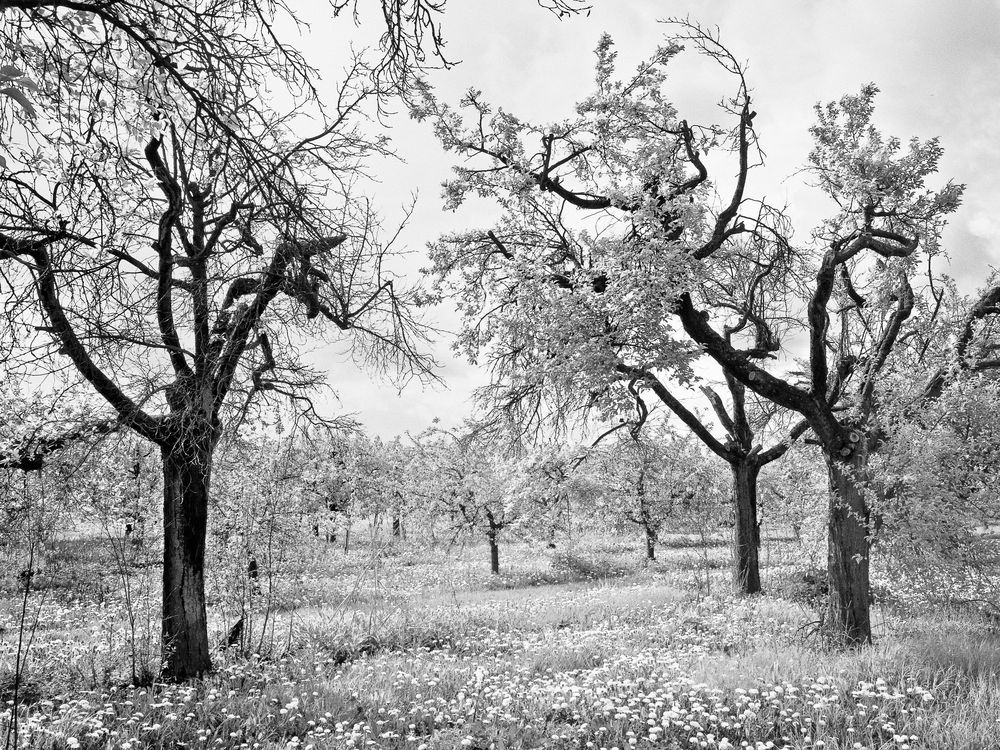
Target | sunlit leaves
(579,274)
(937,494)
(875,180)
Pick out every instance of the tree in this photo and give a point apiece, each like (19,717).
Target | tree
(256,535)
(414,37)
(592,305)
(393,457)
(971,340)
(475,489)
(355,476)
(935,493)
(140,43)
(649,477)
(740,449)
(626,353)
(41,443)
(175,254)
(554,479)
(888,221)
(794,492)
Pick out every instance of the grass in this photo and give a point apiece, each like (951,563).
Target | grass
(423,649)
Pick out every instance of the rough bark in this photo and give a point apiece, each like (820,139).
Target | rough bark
(848,611)
(494,551)
(645,518)
(186,479)
(746,532)
(650,543)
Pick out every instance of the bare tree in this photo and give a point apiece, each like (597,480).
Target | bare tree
(164,232)
(414,40)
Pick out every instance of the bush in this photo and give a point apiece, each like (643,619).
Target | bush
(573,567)
(807,585)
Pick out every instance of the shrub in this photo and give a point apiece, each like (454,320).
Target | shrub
(574,567)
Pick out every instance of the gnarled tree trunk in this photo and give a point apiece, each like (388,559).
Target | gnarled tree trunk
(746,531)
(186,475)
(848,553)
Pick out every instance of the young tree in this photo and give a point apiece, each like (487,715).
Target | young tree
(648,476)
(794,491)
(256,537)
(592,305)
(43,438)
(393,458)
(468,484)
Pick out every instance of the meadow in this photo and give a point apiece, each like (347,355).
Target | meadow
(395,645)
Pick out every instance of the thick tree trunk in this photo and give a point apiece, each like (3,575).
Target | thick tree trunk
(848,553)
(650,543)
(186,475)
(746,531)
(397,526)
(491,536)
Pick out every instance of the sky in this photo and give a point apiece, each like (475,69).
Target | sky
(937,65)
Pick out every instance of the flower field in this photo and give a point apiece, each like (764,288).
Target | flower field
(436,655)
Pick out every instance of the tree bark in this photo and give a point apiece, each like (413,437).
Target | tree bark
(397,526)
(650,543)
(746,532)
(491,535)
(848,613)
(644,514)
(186,479)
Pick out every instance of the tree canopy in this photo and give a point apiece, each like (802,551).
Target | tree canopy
(618,263)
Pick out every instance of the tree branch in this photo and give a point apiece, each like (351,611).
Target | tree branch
(677,408)
(128,410)
(162,245)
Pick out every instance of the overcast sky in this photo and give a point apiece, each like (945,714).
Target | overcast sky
(936,64)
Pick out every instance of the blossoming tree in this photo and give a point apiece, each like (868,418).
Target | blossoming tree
(614,242)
